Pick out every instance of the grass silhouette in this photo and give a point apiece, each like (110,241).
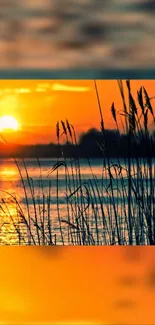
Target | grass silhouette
(119,210)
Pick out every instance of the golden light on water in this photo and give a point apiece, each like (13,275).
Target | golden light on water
(8,172)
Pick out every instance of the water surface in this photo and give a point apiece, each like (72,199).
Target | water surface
(35,190)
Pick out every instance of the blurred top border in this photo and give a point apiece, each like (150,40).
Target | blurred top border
(77,74)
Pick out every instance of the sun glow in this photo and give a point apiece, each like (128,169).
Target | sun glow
(8,123)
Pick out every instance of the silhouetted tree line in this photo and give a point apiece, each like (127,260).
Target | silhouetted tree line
(93,144)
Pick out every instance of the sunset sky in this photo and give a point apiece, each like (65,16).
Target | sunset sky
(38,104)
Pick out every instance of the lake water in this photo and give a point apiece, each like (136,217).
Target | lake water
(36,193)
(11,185)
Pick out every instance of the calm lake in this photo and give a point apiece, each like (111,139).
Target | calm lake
(39,195)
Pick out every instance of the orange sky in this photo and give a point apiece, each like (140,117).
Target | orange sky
(45,285)
(39,104)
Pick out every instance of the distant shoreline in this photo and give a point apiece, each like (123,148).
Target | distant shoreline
(91,144)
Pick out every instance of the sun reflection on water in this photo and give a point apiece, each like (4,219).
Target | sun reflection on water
(10,223)
(9,172)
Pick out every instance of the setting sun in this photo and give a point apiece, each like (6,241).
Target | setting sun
(8,123)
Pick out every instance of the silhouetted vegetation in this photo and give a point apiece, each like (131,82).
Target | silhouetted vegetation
(89,145)
(116,209)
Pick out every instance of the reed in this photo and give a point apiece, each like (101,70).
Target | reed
(118,209)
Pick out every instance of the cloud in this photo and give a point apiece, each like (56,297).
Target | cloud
(61,87)
(14,91)
(44,85)
(22,90)
(43,88)
(40,90)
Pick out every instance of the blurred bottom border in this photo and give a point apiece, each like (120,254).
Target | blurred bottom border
(77,285)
